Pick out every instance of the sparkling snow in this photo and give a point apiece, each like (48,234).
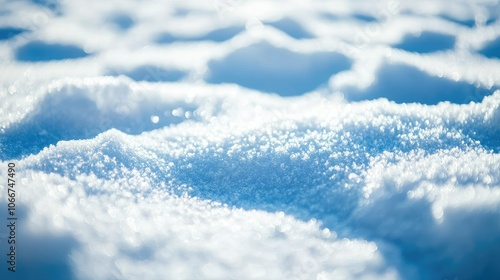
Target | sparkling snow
(266,139)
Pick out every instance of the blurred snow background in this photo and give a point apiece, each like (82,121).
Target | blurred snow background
(264,139)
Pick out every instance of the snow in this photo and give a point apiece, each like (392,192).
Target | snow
(252,139)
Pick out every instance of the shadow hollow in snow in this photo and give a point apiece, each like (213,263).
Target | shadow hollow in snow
(365,17)
(122,21)
(492,49)
(469,22)
(457,246)
(465,22)
(406,84)
(52,5)
(39,255)
(150,73)
(9,32)
(291,27)
(37,51)
(73,114)
(426,42)
(271,69)
(217,35)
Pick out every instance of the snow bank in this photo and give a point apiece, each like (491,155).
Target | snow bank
(370,189)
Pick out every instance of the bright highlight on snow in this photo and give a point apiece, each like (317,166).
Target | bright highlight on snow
(268,139)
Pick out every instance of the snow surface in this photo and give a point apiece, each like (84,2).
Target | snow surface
(233,139)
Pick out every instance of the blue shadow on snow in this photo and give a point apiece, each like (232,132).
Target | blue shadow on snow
(150,73)
(426,42)
(122,21)
(217,35)
(271,69)
(7,33)
(492,49)
(38,255)
(38,51)
(291,27)
(53,5)
(72,115)
(406,84)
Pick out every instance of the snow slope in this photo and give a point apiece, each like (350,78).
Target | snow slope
(251,139)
